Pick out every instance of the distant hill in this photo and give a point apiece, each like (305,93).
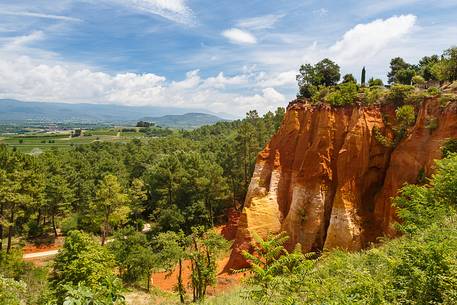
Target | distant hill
(18,111)
(185,121)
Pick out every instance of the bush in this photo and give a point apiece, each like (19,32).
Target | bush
(446,98)
(418,80)
(380,138)
(374,94)
(375,82)
(433,91)
(81,260)
(320,95)
(70,223)
(31,278)
(415,98)
(108,292)
(398,93)
(349,78)
(12,292)
(405,76)
(406,115)
(344,94)
(449,147)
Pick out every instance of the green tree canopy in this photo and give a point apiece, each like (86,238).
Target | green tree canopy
(324,73)
(81,260)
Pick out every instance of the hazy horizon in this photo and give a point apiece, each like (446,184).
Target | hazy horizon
(227,58)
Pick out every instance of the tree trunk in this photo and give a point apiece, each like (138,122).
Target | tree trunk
(180,285)
(210,209)
(233,192)
(10,231)
(54,225)
(103,234)
(105,228)
(149,280)
(38,217)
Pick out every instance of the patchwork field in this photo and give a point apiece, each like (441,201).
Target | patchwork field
(39,142)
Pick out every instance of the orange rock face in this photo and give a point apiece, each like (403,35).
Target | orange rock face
(326,180)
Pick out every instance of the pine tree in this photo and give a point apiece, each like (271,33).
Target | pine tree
(110,198)
(59,198)
(138,196)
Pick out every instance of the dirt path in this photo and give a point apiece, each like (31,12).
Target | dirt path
(40,254)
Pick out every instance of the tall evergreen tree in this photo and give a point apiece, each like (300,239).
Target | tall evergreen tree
(363,76)
(110,198)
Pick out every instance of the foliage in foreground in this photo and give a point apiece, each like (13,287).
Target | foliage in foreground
(82,261)
(418,268)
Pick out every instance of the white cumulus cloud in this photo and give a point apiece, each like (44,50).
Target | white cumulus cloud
(238,36)
(366,40)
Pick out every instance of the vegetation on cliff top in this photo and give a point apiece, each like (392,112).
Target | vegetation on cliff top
(320,83)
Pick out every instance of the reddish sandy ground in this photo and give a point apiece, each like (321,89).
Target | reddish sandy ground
(31,248)
(225,280)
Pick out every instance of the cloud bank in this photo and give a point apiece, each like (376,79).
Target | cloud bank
(32,74)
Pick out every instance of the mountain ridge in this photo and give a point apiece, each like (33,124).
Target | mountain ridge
(21,111)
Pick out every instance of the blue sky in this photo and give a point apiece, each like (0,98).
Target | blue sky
(226,56)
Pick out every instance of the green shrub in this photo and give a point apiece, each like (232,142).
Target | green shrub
(32,279)
(320,94)
(415,98)
(108,292)
(418,80)
(375,82)
(70,223)
(433,91)
(344,94)
(446,98)
(81,260)
(12,292)
(398,93)
(380,138)
(449,147)
(406,115)
(374,94)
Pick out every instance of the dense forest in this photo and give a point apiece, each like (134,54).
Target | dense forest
(130,209)
(181,184)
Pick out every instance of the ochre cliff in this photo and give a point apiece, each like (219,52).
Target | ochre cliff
(325,179)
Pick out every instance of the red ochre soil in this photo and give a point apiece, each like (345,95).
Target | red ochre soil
(32,248)
(225,279)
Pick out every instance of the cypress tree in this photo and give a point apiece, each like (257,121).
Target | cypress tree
(363,76)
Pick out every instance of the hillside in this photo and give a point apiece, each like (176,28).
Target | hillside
(14,111)
(185,121)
